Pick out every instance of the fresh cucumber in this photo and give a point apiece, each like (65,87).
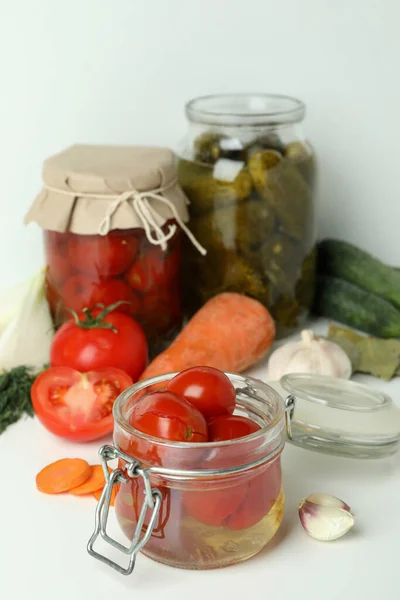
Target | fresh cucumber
(348,262)
(345,302)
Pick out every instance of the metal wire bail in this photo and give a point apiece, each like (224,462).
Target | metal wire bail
(290,403)
(152,501)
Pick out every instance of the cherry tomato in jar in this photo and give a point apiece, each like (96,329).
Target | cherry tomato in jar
(129,502)
(160,311)
(172,265)
(168,416)
(229,427)
(99,339)
(154,269)
(208,389)
(77,292)
(212,506)
(262,493)
(143,275)
(54,301)
(77,406)
(57,257)
(104,256)
(80,291)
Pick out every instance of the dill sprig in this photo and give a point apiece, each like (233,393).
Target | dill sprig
(15,395)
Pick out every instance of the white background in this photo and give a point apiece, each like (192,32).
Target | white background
(120,71)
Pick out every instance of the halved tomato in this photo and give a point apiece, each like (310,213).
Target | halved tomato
(78,406)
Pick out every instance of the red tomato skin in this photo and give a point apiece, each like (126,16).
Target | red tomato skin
(262,492)
(104,256)
(230,427)
(111,291)
(160,311)
(98,348)
(208,389)
(138,277)
(55,417)
(168,416)
(214,506)
(154,270)
(59,264)
(81,291)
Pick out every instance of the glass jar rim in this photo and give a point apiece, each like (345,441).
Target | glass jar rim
(245,109)
(274,428)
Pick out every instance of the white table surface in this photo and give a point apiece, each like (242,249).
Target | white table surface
(43,538)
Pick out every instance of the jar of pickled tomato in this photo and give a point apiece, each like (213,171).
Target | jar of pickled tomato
(195,505)
(112,219)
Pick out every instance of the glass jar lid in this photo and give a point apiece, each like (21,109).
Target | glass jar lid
(341,417)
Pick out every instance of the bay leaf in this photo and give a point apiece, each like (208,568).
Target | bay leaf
(373,356)
(379,357)
(347,340)
(345,333)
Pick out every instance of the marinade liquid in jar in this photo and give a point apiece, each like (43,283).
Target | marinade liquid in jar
(112,219)
(214,504)
(249,174)
(119,267)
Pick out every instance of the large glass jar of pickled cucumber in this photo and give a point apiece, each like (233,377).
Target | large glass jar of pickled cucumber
(249,173)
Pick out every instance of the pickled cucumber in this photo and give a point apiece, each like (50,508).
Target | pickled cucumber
(206,193)
(243,226)
(210,147)
(257,229)
(259,164)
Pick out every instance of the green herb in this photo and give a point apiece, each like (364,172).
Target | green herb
(370,355)
(15,395)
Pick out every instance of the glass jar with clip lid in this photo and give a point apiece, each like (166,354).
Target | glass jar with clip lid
(209,505)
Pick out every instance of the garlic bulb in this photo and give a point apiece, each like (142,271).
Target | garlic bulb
(309,355)
(324,517)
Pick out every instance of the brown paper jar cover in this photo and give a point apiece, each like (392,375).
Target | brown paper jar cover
(112,218)
(82,183)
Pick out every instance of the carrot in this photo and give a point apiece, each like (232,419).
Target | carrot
(230,332)
(98,493)
(63,475)
(95,482)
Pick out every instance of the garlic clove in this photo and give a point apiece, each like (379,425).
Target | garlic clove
(324,517)
(328,500)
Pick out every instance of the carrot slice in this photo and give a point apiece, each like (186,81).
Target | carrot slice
(93,483)
(63,475)
(98,493)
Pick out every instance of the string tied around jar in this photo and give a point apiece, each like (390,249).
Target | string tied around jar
(140,203)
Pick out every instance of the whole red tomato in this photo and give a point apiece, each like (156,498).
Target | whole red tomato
(238,506)
(160,311)
(208,389)
(81,291)
(214,506)
(59,264)
(146,272)
(77,406)
(100,339)
(262,493)
(229,427)
(104,256)
(154,269)
(168,416)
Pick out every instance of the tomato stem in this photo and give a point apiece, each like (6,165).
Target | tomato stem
(91,322)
